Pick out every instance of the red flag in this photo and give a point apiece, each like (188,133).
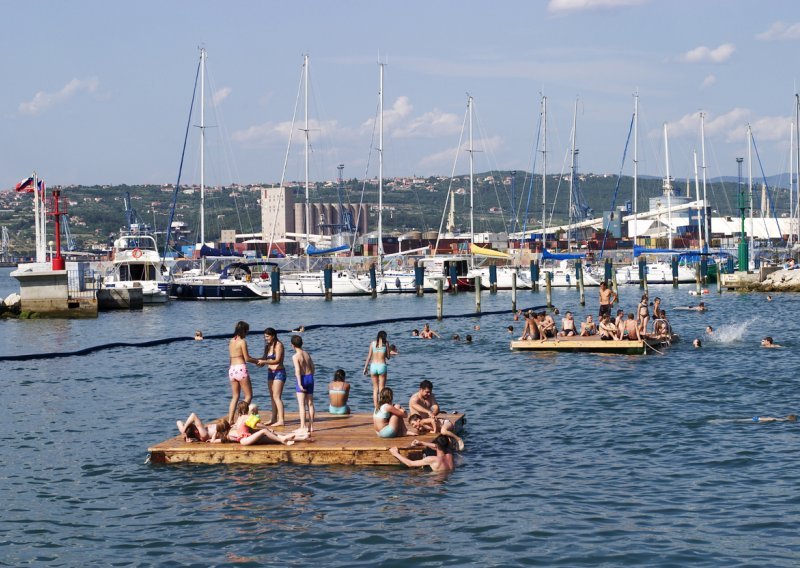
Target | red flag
(25,185)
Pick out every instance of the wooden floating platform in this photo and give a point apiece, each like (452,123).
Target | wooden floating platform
(587,345)
(347,440)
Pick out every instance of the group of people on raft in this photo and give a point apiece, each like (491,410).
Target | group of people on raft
(244,425)
(634,325)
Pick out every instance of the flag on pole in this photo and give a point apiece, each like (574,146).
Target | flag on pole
(42,187)
(26,185)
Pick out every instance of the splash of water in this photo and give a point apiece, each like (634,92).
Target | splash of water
(731,332)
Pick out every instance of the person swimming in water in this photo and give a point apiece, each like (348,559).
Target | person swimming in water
(769,343)
(789,418)
(441,462)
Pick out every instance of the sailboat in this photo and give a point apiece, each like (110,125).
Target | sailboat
(312,282)
(561,270)
(658,272)
(396,280)
(224,279)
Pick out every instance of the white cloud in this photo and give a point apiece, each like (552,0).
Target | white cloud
(272,133)
(731,126)
(399,110)
(221,95)
(780,31)
(429,125)
(443,160)
(556,6)
(703,54)
(708,81)
(42,101)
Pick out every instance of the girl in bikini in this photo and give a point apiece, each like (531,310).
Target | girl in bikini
(237,372)
(388,418)
(375,365)
(338,392)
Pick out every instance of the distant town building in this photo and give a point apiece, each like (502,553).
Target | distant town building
(277,212)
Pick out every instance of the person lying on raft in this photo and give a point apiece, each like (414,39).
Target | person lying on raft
(434,425)
(443,460)
(193,430)
(248,435)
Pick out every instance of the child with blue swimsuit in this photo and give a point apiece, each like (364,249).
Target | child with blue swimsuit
(375,365)
(304,374)
(338,392)
(388,419)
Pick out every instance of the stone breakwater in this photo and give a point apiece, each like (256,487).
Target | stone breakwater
(781,281)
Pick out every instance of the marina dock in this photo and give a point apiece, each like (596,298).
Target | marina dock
(345,440)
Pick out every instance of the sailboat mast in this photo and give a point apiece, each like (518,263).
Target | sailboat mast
(703,166)
(544,173)
(471,176)
(635,168)
(750,183)
(699,206)
(572,178)
(797,161)
(791,185)
(380,167)
(202,147)
(668,186)
(308,205)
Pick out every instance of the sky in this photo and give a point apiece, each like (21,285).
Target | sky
(99,92)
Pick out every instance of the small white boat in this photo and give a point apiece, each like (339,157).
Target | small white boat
(312,283)
(563,276)
(136,263)
(657,273)
(238,280)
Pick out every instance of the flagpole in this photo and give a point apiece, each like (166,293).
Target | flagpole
(43,213)
(38,240)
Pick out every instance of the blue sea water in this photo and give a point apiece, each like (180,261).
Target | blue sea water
(571,460)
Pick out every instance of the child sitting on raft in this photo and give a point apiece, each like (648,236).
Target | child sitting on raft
(388,419)
(338,392)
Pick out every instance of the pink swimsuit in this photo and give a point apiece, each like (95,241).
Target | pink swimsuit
(238,372)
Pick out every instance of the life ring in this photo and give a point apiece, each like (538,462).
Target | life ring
(136,253)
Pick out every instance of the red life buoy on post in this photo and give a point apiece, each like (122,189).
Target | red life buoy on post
(137,253)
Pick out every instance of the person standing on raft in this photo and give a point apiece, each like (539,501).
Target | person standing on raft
(276,374)
(238,375)
(304,374)
(376,365)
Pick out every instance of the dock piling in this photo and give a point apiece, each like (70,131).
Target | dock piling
(674,271)
(535,275)
(614,284)
(581,289)
(373,280)
(439,298)
(328,281)
(548,288)
(275,283)
(698,278)
(419,278)
(514,292)
(477,281)
(453,279)
(719,277)
(493,278)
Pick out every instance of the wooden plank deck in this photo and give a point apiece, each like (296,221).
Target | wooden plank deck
(349,440)
(582,344)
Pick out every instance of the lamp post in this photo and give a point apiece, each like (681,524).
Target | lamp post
(744,255)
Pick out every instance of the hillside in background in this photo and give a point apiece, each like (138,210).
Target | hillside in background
(97,213)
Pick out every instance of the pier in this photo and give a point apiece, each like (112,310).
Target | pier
(338,440)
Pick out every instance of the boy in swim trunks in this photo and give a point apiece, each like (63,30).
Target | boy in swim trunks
(423,402)
(304,374)
(443,460)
